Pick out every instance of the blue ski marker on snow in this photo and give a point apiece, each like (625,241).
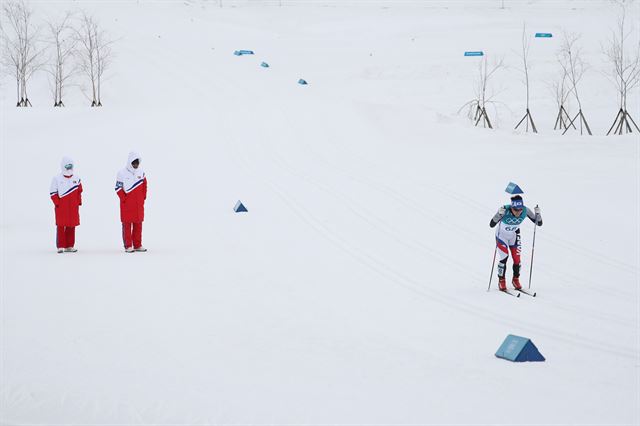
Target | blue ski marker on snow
(519,349)
(544,35)
(243,52)
(476,53)
(240,207)
(513,188)
(264,65)
(302,81)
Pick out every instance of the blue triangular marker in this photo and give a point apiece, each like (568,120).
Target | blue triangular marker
(530,353)
(264,65)
(519,349)
(512,188)
(302,81)
(240,207)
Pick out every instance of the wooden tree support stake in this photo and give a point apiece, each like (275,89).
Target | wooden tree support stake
(583,121)
(622,123)
(562,119)
(527,119)
(482,113)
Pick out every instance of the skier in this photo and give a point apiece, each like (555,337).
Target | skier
(509,218)
(66,194)
(131,187)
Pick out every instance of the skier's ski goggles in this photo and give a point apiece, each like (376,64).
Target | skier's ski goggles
(68,166)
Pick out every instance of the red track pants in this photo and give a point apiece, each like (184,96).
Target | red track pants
(65,236)
(132,234)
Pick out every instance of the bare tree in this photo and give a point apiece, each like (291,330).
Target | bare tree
(20,53)
(525,69)
(561,92)
(625,71)
(571,60)
(478,106)
(94,53)
(11,48)
(61,67)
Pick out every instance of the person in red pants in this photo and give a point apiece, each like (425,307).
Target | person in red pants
(131,187)
(66,194)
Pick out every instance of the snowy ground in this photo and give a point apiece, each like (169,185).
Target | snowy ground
(354,290)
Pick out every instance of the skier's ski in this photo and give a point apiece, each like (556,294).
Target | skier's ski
(510,293)
(527,293)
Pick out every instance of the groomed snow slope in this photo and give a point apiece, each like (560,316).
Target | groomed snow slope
(354,289)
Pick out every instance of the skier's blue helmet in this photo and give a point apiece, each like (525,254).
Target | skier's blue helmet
(517,202)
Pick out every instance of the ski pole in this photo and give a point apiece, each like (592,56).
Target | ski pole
(533,248)
(493,264)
